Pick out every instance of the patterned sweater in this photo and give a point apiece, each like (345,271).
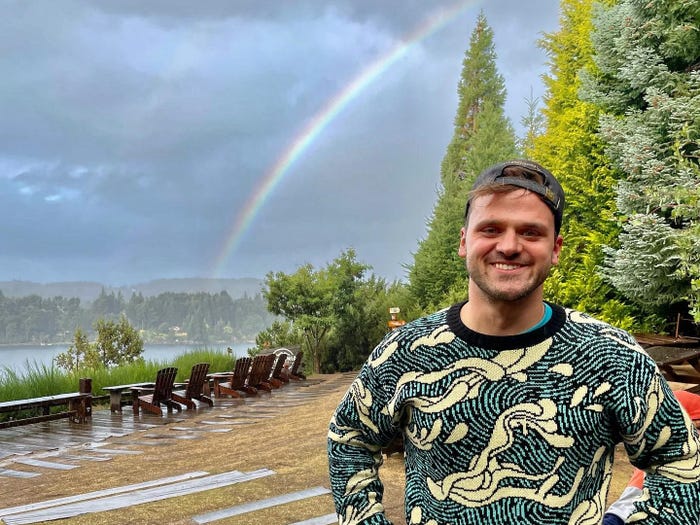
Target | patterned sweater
(513,429)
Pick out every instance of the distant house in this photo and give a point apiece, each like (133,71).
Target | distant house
(178,332)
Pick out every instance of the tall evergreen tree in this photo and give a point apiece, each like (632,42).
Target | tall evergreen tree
(482,136)
(648,85)
(571,148)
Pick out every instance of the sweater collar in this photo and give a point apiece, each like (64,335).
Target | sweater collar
(497,342)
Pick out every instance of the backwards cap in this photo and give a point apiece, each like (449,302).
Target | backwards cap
(529,175)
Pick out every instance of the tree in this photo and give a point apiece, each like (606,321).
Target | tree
(80,354)
(306,299)
(533,122)
(482,136)
(648,87)
(340,315)
(117,342)
(571,148)
(108,305)
(279,334)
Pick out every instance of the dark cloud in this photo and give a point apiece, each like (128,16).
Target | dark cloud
(135,133)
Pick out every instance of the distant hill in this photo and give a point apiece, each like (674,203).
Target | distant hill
(88,291)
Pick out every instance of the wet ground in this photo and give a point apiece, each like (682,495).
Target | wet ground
(62,444)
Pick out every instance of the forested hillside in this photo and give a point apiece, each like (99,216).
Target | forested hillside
(168,317)
(88,291)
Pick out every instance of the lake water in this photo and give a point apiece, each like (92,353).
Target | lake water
(20,358)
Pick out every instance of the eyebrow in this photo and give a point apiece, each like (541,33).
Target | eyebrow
(520,226)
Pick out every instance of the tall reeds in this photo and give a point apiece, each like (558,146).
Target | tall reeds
(45,380)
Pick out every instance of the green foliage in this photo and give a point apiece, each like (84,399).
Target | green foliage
(38,380)
(533,122)
(305,298)
(43,380)
(356,330)
(482,136)
(218,362)
(117,343)
(314,299)
(80,354)
(571,148)
(436,264)
(279,334)
(648,88)
(168,317)
(335,312)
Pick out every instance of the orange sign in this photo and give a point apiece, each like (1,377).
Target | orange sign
(395,323)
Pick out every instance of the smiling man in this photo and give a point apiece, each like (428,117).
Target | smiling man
(510,407)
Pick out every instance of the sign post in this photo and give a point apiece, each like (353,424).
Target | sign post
(395,322)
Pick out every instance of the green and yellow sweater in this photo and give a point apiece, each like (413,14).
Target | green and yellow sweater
(512,430)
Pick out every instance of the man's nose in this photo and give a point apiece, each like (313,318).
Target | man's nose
(509,243)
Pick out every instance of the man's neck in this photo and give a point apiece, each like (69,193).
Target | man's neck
(502,317)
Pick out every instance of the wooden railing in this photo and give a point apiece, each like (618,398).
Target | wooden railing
(77,406)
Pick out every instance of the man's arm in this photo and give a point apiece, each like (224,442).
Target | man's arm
(358,431)
(667,448)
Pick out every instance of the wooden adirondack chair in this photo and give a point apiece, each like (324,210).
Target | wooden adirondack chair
(194,388)
(160,394)
(266,382)
(234,383)
(295,371)
(259,372)
(276,377)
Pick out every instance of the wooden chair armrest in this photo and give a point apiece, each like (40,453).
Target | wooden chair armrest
(142,390)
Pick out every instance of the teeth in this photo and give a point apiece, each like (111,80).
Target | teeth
(502,266)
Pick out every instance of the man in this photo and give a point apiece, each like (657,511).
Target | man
(510,407)
(623,507)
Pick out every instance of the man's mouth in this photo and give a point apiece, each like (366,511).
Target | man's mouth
(504,266)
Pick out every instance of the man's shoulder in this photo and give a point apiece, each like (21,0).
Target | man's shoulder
(425,324)
(416,329)
(581,322)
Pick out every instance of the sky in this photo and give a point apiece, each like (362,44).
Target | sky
(149,139)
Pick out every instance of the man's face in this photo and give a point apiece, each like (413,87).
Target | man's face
(509,245)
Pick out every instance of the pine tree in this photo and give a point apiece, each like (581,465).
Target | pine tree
(533,123)
(648,85)
(482,136)
(571,149)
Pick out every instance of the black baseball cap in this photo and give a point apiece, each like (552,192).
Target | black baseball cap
(529,175)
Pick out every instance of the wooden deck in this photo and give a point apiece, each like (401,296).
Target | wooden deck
(63,442)
(37,449)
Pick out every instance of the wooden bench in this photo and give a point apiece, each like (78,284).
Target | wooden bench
(78,406)
(678,364)
(116,392)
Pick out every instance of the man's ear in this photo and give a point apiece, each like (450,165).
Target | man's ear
(558,243)
(462,250)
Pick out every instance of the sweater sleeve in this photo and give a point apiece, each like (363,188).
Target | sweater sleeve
(661,440)
(359,429)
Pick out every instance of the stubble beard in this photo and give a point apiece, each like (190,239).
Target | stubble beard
(494,293)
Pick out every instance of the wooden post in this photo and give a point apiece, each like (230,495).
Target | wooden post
(85,387)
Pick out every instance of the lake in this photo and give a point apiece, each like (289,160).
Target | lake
(20,357)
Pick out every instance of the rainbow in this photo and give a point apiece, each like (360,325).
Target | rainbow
(322,119)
